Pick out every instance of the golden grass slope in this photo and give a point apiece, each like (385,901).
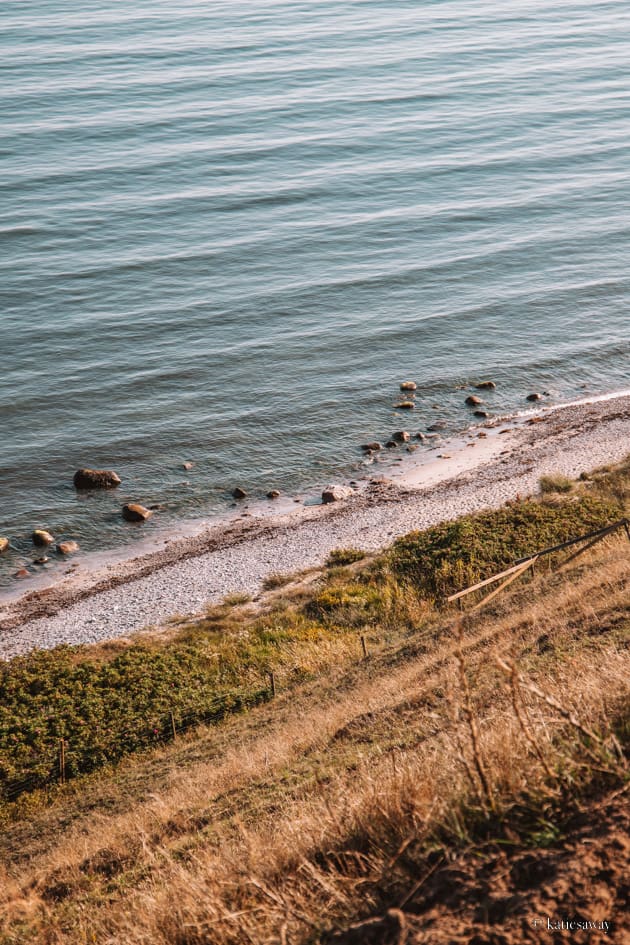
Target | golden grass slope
(349,808)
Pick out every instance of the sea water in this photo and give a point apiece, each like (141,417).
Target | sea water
(228,231)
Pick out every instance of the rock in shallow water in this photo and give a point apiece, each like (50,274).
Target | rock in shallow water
(41,537)
(533,397)
(473,401)
(371,447)
(96,479)
(4,544)
(273,494)
(408,385)
(405,405)
(132,512)
(486,385)
(335,494)
(401,436)
(67,547)
(239,493)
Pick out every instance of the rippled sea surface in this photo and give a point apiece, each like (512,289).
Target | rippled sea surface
(229,229)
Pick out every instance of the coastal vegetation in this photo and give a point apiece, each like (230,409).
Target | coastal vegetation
(555,483)
(408,748)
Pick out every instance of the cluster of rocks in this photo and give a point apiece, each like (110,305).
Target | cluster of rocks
(335,493)
(41,538)
(108,479)
(409,388)
(83,479)
(239,493)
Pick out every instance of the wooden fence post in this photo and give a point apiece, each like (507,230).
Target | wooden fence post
(173,725)
(364,647)
(62,761)
(272,684)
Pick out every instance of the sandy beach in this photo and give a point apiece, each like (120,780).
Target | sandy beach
(186,574)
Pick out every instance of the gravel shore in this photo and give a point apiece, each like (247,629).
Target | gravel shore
(188,574)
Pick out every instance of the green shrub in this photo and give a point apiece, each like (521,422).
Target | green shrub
(456,554)
(105,709)
(347,603)
(343,556)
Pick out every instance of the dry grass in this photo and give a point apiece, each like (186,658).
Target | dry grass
(555,483)
(331,803)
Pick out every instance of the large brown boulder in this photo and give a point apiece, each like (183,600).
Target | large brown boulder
(67,547)
(473,401)
(96,479)
(486,385)
(41,537)
(136,513)
(401,436)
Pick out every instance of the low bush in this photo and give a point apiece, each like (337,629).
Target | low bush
(344,556)
(456,554)
(555,483)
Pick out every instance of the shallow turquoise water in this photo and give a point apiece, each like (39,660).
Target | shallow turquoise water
(228,230)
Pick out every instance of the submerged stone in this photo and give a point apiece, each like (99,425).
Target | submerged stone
(96,479)
(132,512)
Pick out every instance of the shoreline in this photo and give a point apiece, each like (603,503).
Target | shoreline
(191,572)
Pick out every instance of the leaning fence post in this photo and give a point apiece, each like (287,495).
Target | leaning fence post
(272,684)
(364,647)
(62,761)
(173,725)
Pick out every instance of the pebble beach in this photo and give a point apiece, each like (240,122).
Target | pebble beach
(187,574)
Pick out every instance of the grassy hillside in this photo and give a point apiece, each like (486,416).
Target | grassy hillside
(347,807)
